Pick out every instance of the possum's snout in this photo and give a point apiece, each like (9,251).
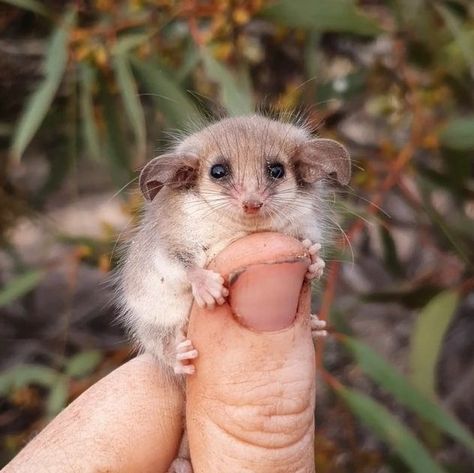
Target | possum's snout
(252,206)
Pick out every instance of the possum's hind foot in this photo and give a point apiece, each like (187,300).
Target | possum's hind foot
(316,268)
(318,327)
(185,352)
(207,287)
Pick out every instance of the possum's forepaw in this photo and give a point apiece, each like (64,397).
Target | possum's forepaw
(185,352)
(208,287)
(316,268)
(318,327)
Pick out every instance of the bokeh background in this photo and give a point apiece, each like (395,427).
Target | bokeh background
(91,89)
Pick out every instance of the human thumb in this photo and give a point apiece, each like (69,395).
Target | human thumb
(250,405)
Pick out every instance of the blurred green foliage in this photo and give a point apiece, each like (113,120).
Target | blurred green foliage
(130,70)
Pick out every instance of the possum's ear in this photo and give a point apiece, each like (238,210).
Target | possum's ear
(176,170)
(323,159)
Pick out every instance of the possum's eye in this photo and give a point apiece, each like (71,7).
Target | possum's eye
(218,171)
(276,170)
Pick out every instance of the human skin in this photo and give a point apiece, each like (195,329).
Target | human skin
(249,406)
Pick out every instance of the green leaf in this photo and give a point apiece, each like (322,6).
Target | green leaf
(87,76)
(176,106)
(411,294)
(190,60)
(129,41)
(338,319)
(341,16)
(390,254)
(58,395)
(426,341)
(40,102)
(459,134)
(235,88)
(456,54)
(31,5)
(404,392)
(116,147)
(462,38)
(133,107)
(449,232)
(390,430)
(20,286)
(83,363)
(24,375)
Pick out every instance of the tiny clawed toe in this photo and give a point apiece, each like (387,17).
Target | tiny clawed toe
(185,344)
(185,352)
(208,289)
(184,369)
(319,333)
(315,269)
(188,355)
(317,327)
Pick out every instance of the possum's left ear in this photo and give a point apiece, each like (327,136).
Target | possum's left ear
(175,170)
(323,159)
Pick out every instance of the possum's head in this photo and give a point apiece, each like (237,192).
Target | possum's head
(250,168)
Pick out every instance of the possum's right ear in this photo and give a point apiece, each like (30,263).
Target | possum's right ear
(176,170)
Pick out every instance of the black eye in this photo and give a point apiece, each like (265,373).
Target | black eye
(218,171)
(276,170)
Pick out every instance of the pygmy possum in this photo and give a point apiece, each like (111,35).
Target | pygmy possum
(233,177)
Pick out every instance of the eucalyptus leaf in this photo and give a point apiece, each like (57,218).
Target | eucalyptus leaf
(322,15)
(24,375)
(190,61)
(129,41)
(19,286)
(133,107)
(428,334)
(390,430)
(412,295)
(87,77)
(458,134)
(58,395)
(404,392)
(462,38)
(235,89)
(83,364)
(40,101)
(31,5)
(172,101)
(390,253)
(449,232)
(116,146)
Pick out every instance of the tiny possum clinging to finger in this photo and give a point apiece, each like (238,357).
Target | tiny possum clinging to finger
(235,177)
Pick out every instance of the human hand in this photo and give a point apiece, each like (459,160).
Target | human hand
(249,406)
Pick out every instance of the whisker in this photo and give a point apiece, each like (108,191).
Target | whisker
(122,189)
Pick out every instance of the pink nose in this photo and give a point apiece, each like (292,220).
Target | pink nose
(251,206)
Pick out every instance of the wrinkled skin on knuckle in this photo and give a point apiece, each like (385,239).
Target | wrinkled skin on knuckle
(267,412)
(257,420)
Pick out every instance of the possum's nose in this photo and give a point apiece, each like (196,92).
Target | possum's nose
(251,206)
